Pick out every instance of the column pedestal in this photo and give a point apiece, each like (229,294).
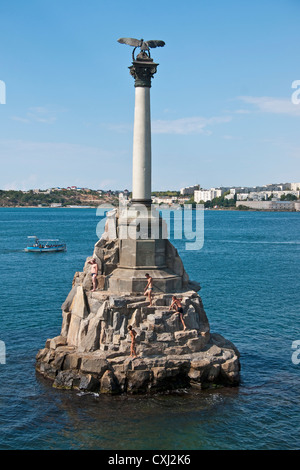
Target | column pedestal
(143,246)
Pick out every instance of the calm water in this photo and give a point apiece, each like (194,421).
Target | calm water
(249,272)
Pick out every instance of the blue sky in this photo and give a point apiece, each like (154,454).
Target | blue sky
(221,103)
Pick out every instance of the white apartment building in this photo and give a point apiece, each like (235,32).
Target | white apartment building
(207,194)
(231,194)
(264,195)
(164,200)
(189,190)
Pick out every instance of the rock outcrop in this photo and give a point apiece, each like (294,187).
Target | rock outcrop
(92,352)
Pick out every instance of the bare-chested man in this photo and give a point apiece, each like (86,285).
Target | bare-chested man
(132,346)
(94,272)
(149,288)
(177,305)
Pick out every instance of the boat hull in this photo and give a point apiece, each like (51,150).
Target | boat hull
(45,250)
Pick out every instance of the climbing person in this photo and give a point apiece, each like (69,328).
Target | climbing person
(132,333)
(94,272)
(149,288)
(177,305)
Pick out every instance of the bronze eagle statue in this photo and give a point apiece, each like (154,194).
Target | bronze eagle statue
(143,45)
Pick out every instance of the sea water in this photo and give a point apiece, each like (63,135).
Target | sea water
(248,269)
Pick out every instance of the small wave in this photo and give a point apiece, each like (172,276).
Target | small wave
(260,242)
(81,394)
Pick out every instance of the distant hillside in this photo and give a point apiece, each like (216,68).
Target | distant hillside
(65,198)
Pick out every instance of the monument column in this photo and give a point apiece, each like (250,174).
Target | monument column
(143,247)
(142,69)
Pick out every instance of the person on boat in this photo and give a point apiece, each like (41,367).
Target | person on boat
(177,305)
(94,272)
(132,346)
(149,288)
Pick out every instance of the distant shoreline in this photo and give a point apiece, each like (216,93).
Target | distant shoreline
(220,209)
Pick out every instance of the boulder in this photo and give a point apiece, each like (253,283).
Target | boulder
(109,383)
(65,323)
(138,381)
(73,330)
(89,383)
(68,302)
(94,365)
(103,311)
(57,341)
(90,338)
(117,319)
(196,344)
(135,319)
(184,335)
(66,379)
(72,361)
(79,306)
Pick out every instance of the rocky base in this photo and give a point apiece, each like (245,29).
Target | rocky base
(92,353)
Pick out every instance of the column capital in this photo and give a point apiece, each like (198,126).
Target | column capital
(142,70)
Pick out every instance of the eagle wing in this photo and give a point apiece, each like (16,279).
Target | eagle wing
(155,43)
(131,42)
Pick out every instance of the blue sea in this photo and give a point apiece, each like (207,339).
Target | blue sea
(249,271)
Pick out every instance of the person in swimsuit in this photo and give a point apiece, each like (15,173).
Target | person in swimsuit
(149,288)
(176,303)
(132,346)
(94,272)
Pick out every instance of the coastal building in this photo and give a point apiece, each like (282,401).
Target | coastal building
(232,193)
(164,200)
(294,186)
(265,195)
(207,194)
(189,190)
(270,205)
(41,191)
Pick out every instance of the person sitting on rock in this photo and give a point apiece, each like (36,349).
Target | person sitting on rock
(176,303)
(94,272)
(149,288)
(132,346)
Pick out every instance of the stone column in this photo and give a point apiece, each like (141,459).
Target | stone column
(142,69)
(141,168)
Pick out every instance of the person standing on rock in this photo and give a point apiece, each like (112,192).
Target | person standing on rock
(132,346)
(176,303)
(94,272)
(149,288)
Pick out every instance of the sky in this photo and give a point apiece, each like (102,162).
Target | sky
(223,109)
